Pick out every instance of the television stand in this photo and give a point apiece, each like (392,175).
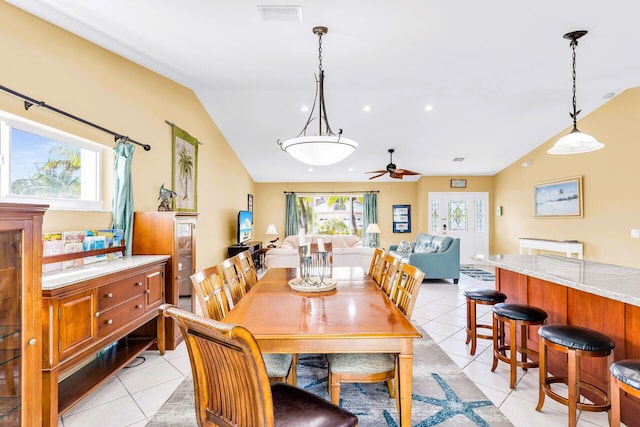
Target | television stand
(253,247)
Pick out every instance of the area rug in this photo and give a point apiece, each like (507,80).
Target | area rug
(477,273)
(442,395)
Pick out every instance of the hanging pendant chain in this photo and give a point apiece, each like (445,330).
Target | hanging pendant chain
(320,52)
(574,43)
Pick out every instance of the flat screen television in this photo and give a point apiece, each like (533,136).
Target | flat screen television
(245,226)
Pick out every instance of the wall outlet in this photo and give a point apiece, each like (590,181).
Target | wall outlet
(635,233)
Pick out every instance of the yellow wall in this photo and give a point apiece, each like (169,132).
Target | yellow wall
(67,72)
(610,187)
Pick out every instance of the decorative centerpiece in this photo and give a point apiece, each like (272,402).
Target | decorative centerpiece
(314,270)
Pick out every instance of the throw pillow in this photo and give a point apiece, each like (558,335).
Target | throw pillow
(404,247)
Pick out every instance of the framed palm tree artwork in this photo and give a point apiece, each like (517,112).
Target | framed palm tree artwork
(185,171)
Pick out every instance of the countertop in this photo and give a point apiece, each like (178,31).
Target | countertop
(607,280)
(69,276)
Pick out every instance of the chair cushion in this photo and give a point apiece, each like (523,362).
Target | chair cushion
(277,365)
(520,312)
(404,247)
(487,295)
(361,363)
(627,371)
(294,407)
(576,337)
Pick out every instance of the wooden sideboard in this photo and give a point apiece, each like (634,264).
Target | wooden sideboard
(91,316)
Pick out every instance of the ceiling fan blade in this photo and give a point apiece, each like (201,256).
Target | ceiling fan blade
(383,171)
(396,175)
(407,172)
(377,176)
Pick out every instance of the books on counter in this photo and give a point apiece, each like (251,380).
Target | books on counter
(80,241)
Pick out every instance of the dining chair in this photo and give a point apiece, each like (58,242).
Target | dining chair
(247,268)
(231,385)
(387,273)
(234,279)
(376,367)
(376,261)
(213,301)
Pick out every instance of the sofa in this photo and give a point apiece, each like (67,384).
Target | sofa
(347,252)
(437,256)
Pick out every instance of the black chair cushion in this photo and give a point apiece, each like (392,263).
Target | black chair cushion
(521,312)
(627,371)
(486,295)
(295,407)
(576,337)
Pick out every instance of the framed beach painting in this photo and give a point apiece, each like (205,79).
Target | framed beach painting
(561,198)
(185,171)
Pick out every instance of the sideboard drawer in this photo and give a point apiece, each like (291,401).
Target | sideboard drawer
(114,318)
(118,292)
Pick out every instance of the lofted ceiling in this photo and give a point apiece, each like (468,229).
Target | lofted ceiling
(497,74)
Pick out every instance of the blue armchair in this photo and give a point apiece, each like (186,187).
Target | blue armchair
(437,256)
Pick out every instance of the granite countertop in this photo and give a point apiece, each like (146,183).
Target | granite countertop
(607,280)
(69,276)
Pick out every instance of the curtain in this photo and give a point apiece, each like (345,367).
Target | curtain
(122,208)
(291,215)
(369,216)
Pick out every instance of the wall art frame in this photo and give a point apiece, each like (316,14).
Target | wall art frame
(184,171)
(401,215)
(560,198)
(458,183)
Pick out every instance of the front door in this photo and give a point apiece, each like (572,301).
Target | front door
(462,215)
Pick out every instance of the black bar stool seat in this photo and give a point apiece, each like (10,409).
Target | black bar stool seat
(625,376)
(481,296)
(515,315)
(575,341)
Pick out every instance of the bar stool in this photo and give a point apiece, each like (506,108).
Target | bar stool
(575,341)
(483,297)
(625,376)
(515,315)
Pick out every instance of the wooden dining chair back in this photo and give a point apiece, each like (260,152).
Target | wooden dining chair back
(234,279)
(231,385)
(387,273)
(406,287)
(209,289)
(213,300)
(376,261)
(247,268)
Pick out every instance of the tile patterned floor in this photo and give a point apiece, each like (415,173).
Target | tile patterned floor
(131,397)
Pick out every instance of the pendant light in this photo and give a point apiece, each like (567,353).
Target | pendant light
(575,141)
(325,148)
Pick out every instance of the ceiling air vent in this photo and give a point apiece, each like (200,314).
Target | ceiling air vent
(281,13)
(458,159)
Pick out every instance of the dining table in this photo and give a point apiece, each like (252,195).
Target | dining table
(354,317)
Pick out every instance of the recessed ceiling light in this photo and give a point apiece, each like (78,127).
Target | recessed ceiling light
(428,108)
(350,170)
(366,108)
(304,108)
(458,159)
(310,169)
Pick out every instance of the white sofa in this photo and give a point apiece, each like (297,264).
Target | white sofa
(347,252)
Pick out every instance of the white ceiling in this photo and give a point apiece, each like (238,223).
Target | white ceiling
(498,73)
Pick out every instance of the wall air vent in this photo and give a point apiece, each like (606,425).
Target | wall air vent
(286,13)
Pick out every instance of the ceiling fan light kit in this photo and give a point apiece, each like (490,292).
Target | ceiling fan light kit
(575,142)
(327,147)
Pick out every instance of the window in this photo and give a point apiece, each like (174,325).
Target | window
(331,214)
(41,164)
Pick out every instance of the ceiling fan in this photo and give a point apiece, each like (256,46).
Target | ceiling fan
(392,170)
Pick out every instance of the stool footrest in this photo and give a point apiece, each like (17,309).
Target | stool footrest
(589,407)
(501,354)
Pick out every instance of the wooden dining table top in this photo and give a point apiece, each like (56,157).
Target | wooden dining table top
(356,309)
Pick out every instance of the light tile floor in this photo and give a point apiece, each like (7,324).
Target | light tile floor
(133,396)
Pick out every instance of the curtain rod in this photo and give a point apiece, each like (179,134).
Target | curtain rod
(29,102)
(173,124)
(331,192)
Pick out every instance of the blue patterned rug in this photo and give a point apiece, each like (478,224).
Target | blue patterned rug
(477,273)
(442,395)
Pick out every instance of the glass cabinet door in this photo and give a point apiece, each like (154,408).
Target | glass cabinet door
(10,327)
(184,253)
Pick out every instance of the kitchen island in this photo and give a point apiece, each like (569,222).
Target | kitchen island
(603,297)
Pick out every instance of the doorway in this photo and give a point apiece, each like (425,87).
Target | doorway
(461,215)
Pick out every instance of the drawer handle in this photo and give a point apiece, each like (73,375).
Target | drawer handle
(97,314)
(138,283)
(110,295)
(139,306)
(109,322)
(148,291)
(32,341)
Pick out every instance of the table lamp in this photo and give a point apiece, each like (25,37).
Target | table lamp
(271,231)
(374,230)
